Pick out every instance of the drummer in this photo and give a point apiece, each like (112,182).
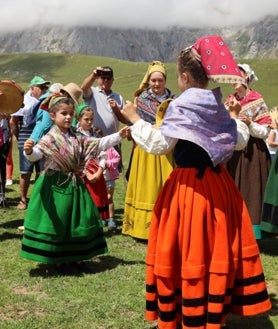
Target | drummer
(5,141)
(11,98)
(22,123)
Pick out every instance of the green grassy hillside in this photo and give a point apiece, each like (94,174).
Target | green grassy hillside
(66,68)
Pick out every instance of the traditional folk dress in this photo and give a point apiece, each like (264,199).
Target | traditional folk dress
(250,166)
(269,217)
(62,223)
(202,257)
(97,189)
(148,173)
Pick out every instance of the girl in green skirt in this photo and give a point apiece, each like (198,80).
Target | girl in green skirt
(62,224)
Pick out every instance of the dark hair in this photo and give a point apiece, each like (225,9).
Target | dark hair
(189,61)
(56,106)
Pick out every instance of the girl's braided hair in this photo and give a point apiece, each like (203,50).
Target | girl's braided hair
(190,61)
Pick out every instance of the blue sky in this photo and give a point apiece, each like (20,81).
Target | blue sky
(159,14)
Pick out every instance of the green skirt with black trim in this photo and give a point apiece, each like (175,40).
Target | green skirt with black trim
(62,223)
(269,222)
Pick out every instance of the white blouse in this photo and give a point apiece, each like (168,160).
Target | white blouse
(151,140)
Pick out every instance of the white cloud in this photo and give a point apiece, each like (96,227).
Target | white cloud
(19,14)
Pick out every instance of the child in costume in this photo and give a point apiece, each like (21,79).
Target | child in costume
(111,173)
(202,258)
(93,178)
(62,224)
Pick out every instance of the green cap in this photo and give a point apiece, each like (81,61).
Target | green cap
(37,80)
(80,108)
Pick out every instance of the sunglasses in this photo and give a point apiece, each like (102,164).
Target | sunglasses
(106,78)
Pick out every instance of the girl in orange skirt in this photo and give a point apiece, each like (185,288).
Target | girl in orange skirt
(202,259)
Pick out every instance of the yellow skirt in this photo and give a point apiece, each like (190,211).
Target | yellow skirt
(147,175)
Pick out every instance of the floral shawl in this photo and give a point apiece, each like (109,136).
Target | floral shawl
(147,103)
(69,152)
(254,107)
(199,116)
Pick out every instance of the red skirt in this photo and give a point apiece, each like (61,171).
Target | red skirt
(98,191)
(202,258)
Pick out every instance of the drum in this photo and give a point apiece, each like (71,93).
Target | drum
(11,96)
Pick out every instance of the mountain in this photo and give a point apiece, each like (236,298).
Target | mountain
(256,40)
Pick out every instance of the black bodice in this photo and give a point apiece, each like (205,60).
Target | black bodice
(188,154)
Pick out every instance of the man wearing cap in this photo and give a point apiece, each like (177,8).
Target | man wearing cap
(43,120)
(22,123)
(106,103)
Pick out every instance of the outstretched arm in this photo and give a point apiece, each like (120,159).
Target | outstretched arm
(149,138)
(113,139)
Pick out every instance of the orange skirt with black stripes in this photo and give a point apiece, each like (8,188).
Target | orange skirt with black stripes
(202,259)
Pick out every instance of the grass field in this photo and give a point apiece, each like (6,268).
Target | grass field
(33,297)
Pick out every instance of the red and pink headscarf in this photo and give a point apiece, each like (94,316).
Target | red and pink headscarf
(217,60)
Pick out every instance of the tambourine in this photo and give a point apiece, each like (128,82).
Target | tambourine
(161,110)
(11,96)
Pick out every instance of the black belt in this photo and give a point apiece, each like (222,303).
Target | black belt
(201,168)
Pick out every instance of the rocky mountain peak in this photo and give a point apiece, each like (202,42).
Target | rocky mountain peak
(257,40)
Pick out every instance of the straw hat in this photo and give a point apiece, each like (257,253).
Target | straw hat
(73,90)
(11,96)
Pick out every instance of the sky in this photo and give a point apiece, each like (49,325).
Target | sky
(153,14)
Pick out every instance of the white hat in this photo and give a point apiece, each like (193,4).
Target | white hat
(55,88)
(250,74)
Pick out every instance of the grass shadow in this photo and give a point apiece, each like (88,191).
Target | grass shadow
(119,213)
(253,322)
(9,236)
(97,265)
(269,246)
(261,321)
(12,223)
(107,262)
(12,202)
(274,303)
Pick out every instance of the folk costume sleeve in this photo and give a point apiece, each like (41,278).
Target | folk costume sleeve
(151,139)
